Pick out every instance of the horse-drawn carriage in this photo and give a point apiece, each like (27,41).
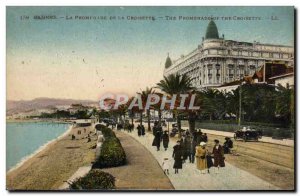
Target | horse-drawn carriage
(247,134)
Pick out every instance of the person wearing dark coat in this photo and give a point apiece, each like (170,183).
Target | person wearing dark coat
(157,140)
(218,155)
(204,137)
(139,130)
(209,161)
(159,129)
(193,148)
(177,155)
(228,144)
(143,130)
(181,143)
(187,147)
(165,139)
(154,129)
(199,137)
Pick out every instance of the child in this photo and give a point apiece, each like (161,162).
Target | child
(165,166)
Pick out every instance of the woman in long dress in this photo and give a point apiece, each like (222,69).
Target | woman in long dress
(177,155)
(201,153)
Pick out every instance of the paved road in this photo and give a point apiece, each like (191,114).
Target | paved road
(142,171)
(189,178)
(284,142)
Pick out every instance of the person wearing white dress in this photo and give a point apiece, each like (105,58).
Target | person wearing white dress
(165,165)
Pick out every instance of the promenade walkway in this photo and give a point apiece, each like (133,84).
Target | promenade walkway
(189,178)
(142,171)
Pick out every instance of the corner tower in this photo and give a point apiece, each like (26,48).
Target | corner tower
(212,31)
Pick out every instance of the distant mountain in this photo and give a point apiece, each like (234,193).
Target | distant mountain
(41,103)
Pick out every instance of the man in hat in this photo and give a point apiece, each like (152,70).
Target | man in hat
(156,140)
(228,144)
(218,154)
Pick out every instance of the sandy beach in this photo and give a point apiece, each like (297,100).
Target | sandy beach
(49,168)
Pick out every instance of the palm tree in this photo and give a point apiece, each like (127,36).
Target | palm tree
(144,96)
(121,112)
(132,111)
(284,103)
(176,84)
(157,107)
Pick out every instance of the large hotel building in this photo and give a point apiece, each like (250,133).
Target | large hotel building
(217,61)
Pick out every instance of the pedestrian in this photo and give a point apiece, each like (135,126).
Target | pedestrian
(155,128)
(228,144)
(159,128)
(139,130)
(209,161)
(218,155)
(165,165)
(177,155)
(199,137)
(182,148)
(166,139)
(157,140)
(205,139)
(89,138)
(187,147)
(201,153)
(143,130)
(193,148)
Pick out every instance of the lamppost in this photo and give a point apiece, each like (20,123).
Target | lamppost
(240,104)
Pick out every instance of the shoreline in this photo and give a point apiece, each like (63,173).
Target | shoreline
(38,120)
(37,151)
(53,163)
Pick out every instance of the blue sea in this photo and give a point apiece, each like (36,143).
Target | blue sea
(25,138)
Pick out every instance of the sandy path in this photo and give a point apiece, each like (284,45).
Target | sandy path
(229,178)
(142,171)
(56,163)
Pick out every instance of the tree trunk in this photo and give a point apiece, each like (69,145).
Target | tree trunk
(141,118)
(179,125)
(159,117)
(124,121)
(192,122)
(148,118)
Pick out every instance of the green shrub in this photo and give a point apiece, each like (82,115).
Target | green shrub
(107,132)
(112,153)
(95,179)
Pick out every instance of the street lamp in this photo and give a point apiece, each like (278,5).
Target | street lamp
(240,104)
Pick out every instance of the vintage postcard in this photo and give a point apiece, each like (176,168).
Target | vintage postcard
(150,98)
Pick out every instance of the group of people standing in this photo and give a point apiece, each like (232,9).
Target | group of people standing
(141,130)
(192,147)
(160,136)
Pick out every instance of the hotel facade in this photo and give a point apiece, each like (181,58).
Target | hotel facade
(217,61)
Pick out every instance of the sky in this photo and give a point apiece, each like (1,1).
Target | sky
(83,59)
